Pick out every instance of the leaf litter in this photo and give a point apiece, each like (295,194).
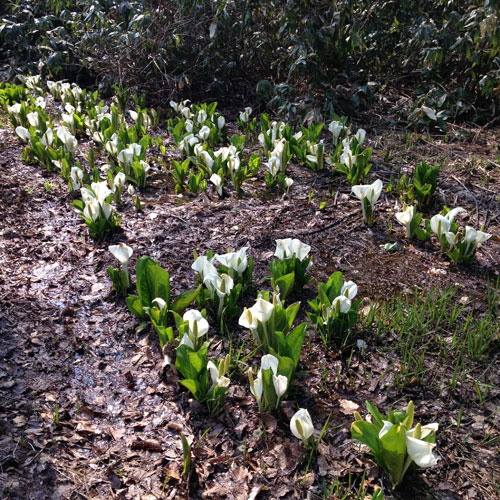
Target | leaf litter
(88,410)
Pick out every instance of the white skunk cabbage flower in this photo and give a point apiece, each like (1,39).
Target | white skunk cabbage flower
(440,225)
(76,178)
(204,133)
(33,118)
(360,136)
(475,237)
(123,253)
(203,266)
(23,133)
(217,181)
(336,129)
(217,380)
(341,304)
(68,140)
(348,159)
(288,248)
(202,116)
(418,450)
(235,261)
(119,181)
(349,289)
(370,192)
(301,425)
(197,324)
(245,115)
(273,165)
(280,383)
(405,217)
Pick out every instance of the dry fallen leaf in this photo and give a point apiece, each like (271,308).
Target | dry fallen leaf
(348,407)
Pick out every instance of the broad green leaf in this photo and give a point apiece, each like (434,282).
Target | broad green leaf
(377,416)
(184,299)
(394,451)
(294,341)
(367,433)
(291,312)
(135,306)
(152,281)
(286,366)
(268,388)
(197,361)
(183,362)
(285,284)
(193,386)
(334,285)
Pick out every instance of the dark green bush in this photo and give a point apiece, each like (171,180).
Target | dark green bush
(445,51)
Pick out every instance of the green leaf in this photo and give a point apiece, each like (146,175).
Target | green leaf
(78,204)
(152,281)
(295,341)
(377,416)
(394,451)
(268,392)
(285,284)
(184,299)
(367,433)
(291,312)
(135,306)
(183,363)
(333,286)
(193,386)
(286,366)
(186,454)
(165,335)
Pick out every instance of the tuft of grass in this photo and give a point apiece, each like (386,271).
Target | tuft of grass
(434,323)
(350,491)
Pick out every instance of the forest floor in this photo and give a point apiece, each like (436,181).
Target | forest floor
(88,412)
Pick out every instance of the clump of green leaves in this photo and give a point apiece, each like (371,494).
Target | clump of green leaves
(202,377)
(289,271)
(271,326)
(411,219)
(459,244)
(154,300)
(393,440)
(97,211)
(334,311)
(269,386)
(420,185)
(350,158)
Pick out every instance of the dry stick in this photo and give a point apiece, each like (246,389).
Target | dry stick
(329,226)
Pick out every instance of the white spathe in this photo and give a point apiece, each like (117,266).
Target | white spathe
(301,425)
(197,324)
(476,237)
(341,304)
(203,266)
(440,225)
(269,362)
(368,191)
(122,252)
(349,289)
(288,248)
(236,261)
(405,217)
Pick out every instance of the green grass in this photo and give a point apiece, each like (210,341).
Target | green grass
(350,491)
(434,324)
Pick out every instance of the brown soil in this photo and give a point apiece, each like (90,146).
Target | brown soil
(86,410)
